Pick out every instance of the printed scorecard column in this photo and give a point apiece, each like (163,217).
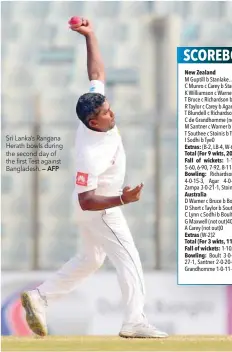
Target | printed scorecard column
(204,165)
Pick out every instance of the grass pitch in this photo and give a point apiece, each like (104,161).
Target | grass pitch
(112,343)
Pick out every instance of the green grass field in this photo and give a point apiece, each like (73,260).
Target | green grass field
(111,343)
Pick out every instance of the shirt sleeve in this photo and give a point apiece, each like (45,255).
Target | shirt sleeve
(97,87)
(88,171)
(85,181)
(92,161)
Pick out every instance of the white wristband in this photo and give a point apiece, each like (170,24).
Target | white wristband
(121,200)
(97,87)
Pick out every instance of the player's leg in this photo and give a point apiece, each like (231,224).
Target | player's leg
(120,248)
(62,282)
(75,270)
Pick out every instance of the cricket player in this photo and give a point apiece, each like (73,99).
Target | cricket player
(100,171)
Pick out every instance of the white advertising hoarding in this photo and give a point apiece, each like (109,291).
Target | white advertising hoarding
(94,308)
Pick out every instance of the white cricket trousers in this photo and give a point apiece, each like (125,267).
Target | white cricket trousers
(104,233)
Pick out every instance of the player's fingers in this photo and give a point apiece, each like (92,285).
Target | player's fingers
(126,189)
(76,30)
(139,187)
(139,192)
(84,22)
(75,27)
(89,23)
(135,190)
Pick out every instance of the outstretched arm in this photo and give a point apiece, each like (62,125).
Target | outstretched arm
(95,65)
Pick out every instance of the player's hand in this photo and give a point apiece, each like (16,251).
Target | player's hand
(131,195)
(84,27)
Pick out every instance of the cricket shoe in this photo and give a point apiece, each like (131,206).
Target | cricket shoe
(35,307)
(141,331)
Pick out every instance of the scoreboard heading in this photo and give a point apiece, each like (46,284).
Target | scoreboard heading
(204,55)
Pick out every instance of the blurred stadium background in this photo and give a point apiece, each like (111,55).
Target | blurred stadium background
(43,74)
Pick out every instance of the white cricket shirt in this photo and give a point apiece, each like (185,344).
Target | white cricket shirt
(100,158)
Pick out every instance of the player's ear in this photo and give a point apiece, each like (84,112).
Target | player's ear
(93,123)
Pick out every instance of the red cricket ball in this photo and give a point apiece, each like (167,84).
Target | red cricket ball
(74,20)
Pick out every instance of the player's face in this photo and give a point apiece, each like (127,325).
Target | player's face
(104,121)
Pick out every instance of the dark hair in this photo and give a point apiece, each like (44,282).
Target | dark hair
(88,105)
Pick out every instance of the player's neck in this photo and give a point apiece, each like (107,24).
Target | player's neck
(97,130)
(94,129)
